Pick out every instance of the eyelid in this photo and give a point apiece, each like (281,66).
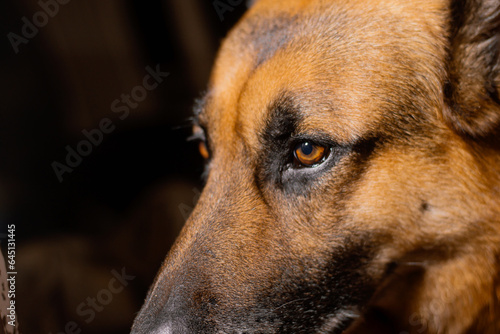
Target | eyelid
(198,134)
(196,137)
(318,139)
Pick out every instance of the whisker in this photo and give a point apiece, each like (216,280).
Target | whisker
(287,303)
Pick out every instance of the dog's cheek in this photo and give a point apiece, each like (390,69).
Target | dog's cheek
(413,192)
(321,293)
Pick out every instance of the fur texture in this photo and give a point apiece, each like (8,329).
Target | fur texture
(398,230)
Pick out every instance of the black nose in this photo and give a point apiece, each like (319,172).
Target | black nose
(159,317)
(177,306)
(168,328)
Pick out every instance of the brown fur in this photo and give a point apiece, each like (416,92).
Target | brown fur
(400,229)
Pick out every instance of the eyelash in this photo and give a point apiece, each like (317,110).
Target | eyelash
(197,136)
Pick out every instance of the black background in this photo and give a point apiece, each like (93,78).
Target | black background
(123,205)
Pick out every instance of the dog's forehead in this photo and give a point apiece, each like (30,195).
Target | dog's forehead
(341,62)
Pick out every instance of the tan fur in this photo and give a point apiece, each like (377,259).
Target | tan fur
(426,200)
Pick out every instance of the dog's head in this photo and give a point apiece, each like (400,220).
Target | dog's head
(352,174)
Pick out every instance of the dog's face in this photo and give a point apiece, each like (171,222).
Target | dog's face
(340,177)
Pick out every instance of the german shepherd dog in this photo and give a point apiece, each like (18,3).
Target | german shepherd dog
(352,175)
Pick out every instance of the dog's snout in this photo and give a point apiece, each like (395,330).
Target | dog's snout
(183,308)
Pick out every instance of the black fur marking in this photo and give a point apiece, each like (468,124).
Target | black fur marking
(275,140)
(298,180)
(299,302)
(358,162)
(305,304)
(280,137)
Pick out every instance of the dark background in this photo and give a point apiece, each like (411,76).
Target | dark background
(122,206)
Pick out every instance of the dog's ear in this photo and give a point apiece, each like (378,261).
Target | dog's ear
(473,89)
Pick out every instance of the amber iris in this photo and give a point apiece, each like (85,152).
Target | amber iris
(308,154)
(202,147)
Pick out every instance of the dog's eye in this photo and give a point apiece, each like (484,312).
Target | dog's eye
(199,136)
(202,147)
(307,154)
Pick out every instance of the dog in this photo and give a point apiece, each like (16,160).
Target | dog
(352,175)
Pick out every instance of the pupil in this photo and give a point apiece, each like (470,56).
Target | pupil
(307,148)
